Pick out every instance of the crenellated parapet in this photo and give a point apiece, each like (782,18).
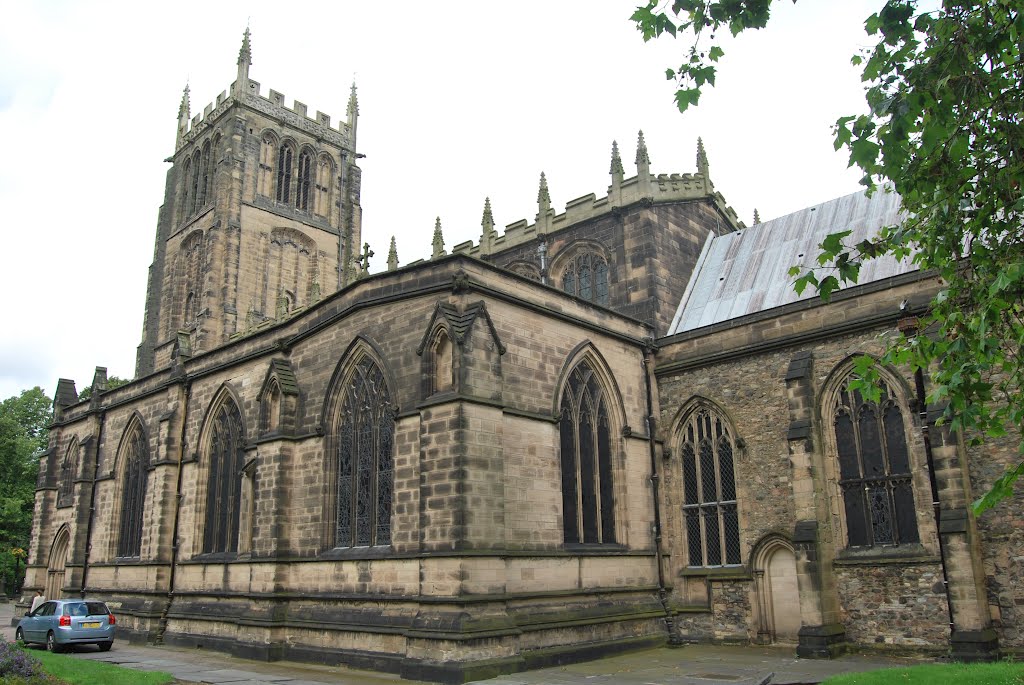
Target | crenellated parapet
(245,91)
(273,105)
(623,192)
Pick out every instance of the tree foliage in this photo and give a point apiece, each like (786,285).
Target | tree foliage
(112,382)
(942,127)
(24,421)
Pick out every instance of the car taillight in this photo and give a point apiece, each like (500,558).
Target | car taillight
(113,621)
(65,621)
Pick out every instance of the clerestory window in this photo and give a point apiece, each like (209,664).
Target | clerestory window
(305,178)
(586,277)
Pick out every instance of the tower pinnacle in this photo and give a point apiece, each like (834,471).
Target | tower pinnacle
(438,241)
(244,60)
(392,255)
(642,158)
(702,158)
(487,223)
(184,114)
(616,168)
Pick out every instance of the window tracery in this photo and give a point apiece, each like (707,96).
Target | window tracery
(874,469)
(710,512)
(586,461)
(365,431)
(226,457)
(586,276)
(133,493)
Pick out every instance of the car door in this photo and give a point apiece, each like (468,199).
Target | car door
(34,624)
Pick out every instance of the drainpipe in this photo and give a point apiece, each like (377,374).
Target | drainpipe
(162,626)
(673,634)
(92,503)
(908,327)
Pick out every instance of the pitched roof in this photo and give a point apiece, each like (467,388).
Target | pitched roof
(746,271)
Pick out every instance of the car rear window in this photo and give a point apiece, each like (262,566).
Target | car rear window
(85,609)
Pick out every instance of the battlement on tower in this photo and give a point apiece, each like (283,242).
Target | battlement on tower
(273,105)
(245,91)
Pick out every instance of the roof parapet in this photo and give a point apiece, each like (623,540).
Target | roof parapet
(621,193)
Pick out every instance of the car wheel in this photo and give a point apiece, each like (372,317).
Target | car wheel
(51,643)
(19,635)
(105,646)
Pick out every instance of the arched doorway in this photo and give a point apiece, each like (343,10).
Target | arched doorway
(778,596)
(57,562)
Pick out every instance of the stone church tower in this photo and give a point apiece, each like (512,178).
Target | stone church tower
(260,215)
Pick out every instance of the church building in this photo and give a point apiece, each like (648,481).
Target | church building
(606,429)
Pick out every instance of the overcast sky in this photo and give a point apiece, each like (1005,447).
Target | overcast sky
(458,101)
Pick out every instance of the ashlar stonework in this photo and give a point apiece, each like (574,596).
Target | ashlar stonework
(581,435)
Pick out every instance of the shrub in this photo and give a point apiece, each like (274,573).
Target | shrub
(15,662)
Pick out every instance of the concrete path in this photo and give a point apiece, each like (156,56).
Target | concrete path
(689,665)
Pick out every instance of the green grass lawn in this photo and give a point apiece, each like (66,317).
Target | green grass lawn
(88,672)
(1000,673)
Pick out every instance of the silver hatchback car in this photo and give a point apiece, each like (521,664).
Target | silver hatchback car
(63,622)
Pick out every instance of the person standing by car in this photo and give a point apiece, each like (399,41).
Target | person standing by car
(37,600)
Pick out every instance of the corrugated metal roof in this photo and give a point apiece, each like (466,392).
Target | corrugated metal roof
(746,271)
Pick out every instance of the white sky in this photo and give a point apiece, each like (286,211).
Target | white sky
(458,101)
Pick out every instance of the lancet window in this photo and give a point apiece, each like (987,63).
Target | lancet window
(324,181)
(305,173)
(586,277)
(226,457)
(709,490)
(874,469)
(586,460)
(133,493)
(68,472)
(365,461)
(284,173)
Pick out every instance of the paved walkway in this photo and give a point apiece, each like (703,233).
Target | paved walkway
(689,665)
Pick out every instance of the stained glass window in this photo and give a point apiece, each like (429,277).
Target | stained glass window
(586,277)
(133,493)
(874,470)
(365,446)
(709,491)
(226,456)
(587,497)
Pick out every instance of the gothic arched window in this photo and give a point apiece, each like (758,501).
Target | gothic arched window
(186,191)
(284,173)
(68,472)
(305,172)
(268,146)
(525,270)
(365,462)
(587,498)
(874,469)
(133,493)
(226,457)
(204,178)
(709,490)
(586,277)
(198,173)
(324,182)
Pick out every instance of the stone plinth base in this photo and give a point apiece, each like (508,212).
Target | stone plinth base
(821,642)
